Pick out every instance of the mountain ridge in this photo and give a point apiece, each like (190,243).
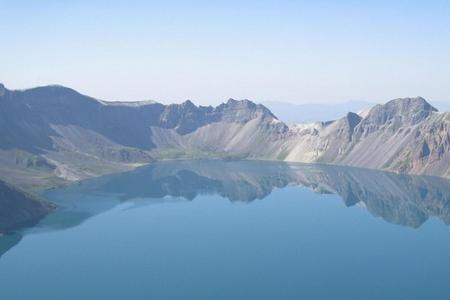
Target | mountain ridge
(56,131)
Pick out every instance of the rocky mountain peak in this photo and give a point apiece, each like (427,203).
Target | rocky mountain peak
(242,103)
(243,110)
(408,111)
(188,104)
(353,119)
(411,104)
(55,88)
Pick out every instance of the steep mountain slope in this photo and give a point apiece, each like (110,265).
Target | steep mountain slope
(74,136)
(18,209)
(404,135)
(54,133)
(240,127)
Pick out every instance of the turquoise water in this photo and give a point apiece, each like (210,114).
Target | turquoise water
(236,230)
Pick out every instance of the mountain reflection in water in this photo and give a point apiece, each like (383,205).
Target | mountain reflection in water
(398,199)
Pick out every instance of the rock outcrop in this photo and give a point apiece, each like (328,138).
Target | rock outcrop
(19,209)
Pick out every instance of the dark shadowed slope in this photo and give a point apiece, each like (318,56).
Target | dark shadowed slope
(19,209)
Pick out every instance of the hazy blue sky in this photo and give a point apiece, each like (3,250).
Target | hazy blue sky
(209,51)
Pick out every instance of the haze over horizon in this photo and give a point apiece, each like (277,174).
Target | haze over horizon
(297,52)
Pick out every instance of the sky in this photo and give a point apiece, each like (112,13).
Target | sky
(209,51)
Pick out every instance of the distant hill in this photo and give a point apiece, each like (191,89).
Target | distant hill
(307,113)
(322,112)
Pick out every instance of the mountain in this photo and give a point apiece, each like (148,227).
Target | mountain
(404,135)
(53,134)
(55,130)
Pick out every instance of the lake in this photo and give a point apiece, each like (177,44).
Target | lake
(236,230)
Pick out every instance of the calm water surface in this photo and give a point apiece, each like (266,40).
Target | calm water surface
(236,230)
